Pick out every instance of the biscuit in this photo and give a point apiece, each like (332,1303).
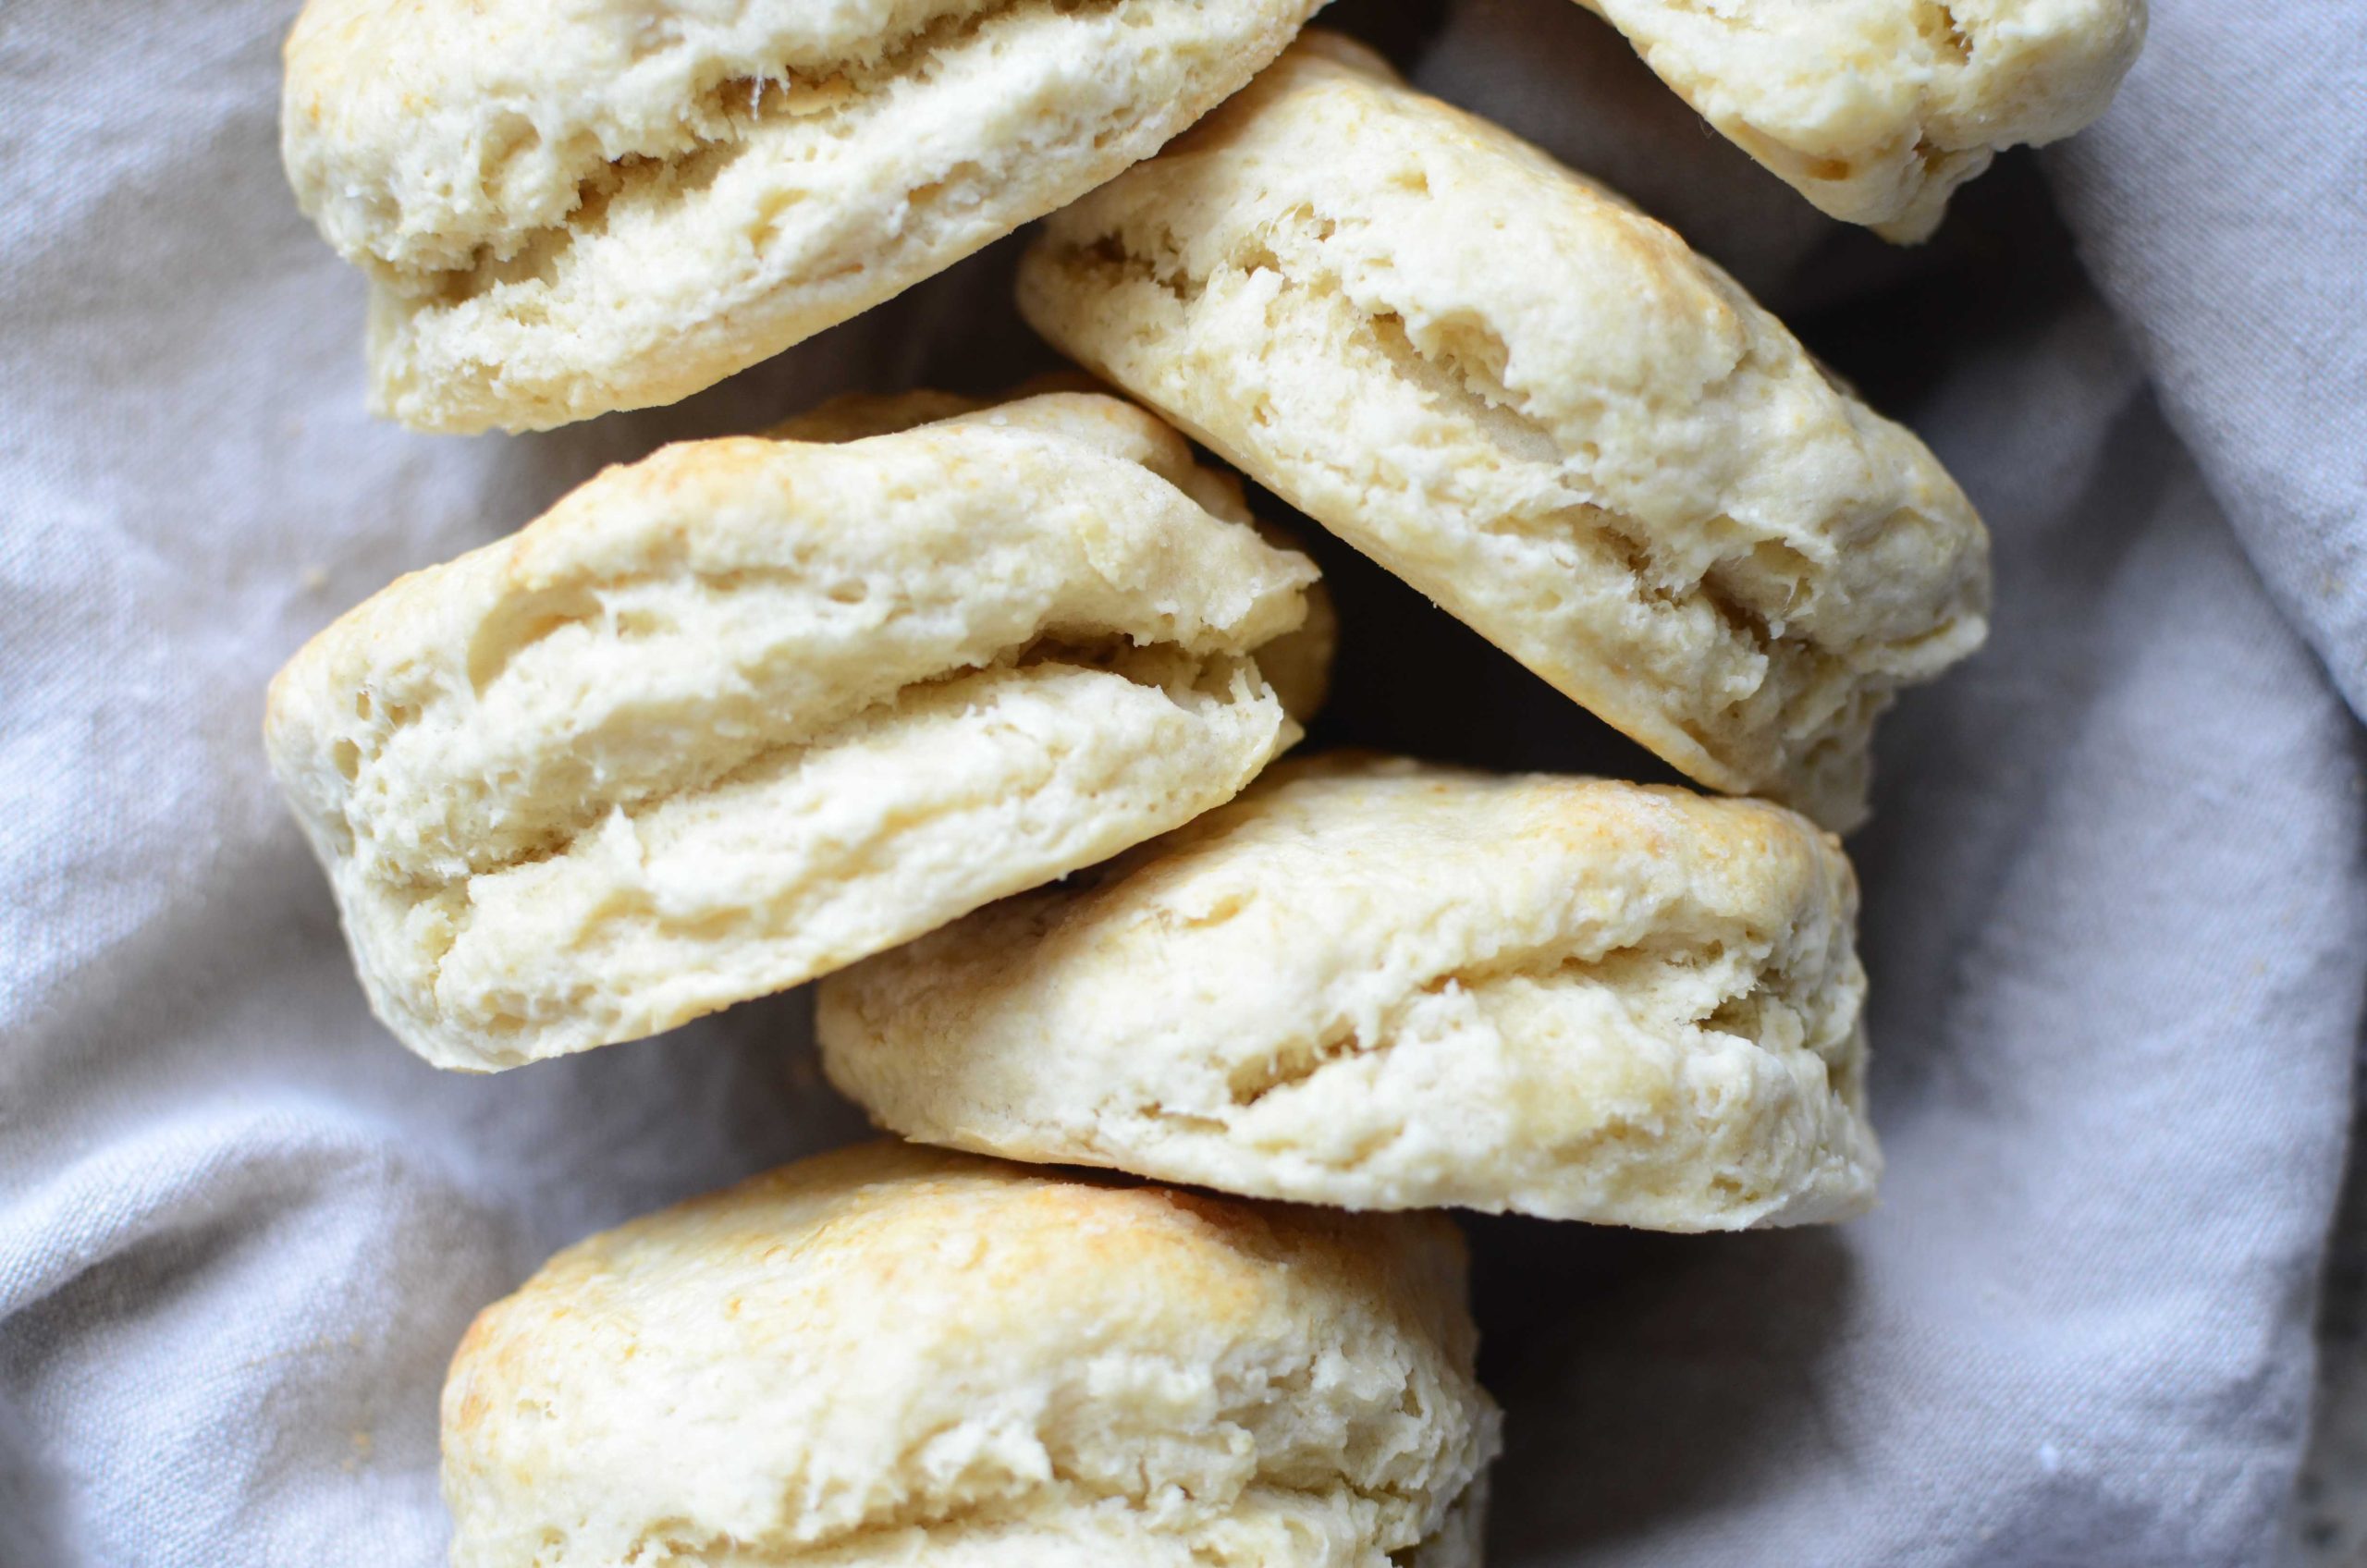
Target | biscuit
(1383,984)
(1877,110)
(1539,407)
(1297,665)
(895,1354)
(570,209)
(748,710)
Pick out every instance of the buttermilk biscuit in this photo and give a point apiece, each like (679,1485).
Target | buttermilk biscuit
(751,709)
(1875,110)
(1296,665)
(895,1354)
(566,209)
(1536,406)
(1383,985)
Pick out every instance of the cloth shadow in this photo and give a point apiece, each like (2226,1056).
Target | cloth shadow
(1427,685)
(1643,1375)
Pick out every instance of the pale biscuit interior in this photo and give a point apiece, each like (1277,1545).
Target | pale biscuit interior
(1538,407)
(751,709)
(1383,985)
(567,210)
(1877,110)
(1297,664)
(893,1355)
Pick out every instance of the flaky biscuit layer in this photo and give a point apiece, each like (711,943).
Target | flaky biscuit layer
(1536,406)
(1388,985)
(751,709)
(567,209)
(894,1354)
(1877,110)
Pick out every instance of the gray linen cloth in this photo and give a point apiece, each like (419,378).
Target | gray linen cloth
(2115,910)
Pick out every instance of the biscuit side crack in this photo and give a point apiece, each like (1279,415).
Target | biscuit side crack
(1168,669)
(1114,654)
(719,126)
(1737,1013)
(1797,664)
(1014,1499)
(529,619)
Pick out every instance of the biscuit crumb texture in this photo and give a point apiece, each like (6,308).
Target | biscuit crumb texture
(893,1355)
(749,709)
(571,208)
(1877,110)
(1297,665)
(1535,405)
(1383,985)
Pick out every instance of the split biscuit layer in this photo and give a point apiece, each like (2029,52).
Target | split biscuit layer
(749,710)
(570,209)
(892,1354)
(1536,406)
(1877,110)
(1383,984)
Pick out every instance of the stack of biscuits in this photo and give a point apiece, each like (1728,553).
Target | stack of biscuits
(970,710)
